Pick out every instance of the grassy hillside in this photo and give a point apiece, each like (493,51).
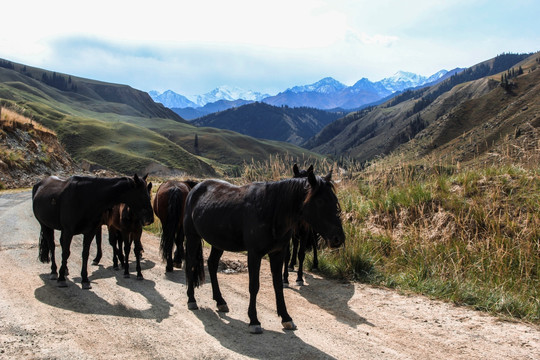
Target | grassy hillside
(120,128)
(444,111)
(263,121)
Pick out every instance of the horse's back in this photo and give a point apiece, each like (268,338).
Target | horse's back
(165,194)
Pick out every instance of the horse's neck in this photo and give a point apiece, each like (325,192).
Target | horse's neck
(287,197)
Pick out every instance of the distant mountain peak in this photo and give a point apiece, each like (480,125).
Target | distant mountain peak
(228,93)
(327,85)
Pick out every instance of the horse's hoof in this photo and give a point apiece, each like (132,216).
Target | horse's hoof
(255,329)
(126,276)
(291,268)
(192,306)
(178,265)
(86,285)
(223,308)
(285,285)
(300,283)
(53,276)
(289,325)
(95,263)
(168,269)
(116,267)
(140,277)
(62,283)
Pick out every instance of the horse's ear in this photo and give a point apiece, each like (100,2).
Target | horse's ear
(311,177)
(149,187)
(328,177)
(296,171)
(145,176)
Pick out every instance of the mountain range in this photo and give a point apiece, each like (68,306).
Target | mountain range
(326,94)
(483,112)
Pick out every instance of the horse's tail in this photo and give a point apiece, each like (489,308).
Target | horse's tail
(44,249)
(174,211)
(194,252)
(198,268)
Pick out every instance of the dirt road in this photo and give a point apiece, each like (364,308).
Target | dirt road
(125,318)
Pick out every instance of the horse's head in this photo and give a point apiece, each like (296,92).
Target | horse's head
(301,173)
(139,200)
(321,209)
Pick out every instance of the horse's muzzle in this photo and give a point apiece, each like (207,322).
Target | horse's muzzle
(336,240)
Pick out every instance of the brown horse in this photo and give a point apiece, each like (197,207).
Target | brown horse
(115,241)
(124,230)
(257,218)
(75,206)
(169,208)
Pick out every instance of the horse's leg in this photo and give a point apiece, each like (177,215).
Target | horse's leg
(48,237)
(287,256)
(179,252)
(301,257)
(167,245)
(213,262)
(254,267)
(113,241)
(194,264)
(65,242)
(87,240)
(314,242)
(295,249)
(276,264)
(127,249)
(99,253)
(138,250)
(119,247)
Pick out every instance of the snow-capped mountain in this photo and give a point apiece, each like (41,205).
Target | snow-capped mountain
(229,93)
(404,80)
(171,99)
(327,85)
(326,93)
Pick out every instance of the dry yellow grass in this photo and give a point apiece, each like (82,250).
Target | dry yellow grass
(12,119)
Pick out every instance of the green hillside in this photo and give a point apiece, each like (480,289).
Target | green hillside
(121,128)
(472,101)
(263,121)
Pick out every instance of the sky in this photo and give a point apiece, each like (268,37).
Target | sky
(192,47)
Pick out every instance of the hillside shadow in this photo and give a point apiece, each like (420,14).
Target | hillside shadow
(74,298)
(333,297)
(234,335)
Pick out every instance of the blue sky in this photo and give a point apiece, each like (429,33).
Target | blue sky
(193,47)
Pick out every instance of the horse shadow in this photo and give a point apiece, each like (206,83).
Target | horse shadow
(74,298)
(333,297)
(233,334)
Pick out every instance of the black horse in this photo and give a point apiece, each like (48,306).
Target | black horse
(169,208)
(75,206)
(303,238)
(259,218)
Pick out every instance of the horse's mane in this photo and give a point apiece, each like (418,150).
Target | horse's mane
(283,201)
